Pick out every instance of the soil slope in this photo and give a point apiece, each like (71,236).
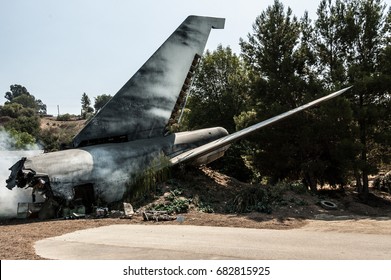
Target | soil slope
(210,198)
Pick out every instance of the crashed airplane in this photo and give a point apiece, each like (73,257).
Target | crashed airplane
(133,129)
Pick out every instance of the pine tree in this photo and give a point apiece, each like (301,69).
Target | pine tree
(352,37)
(281,54)
(85,106)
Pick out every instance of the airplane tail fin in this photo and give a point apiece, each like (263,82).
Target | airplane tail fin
(150,100)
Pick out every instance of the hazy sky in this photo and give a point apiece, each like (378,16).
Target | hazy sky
(60,49)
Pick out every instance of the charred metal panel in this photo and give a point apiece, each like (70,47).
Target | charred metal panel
(143,106)
(16,171)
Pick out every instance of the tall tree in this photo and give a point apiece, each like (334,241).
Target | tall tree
(19,94)
(15,91)
(269,53)
(219,90)
(371,92)
(86,106)
(21,111)
(281,54)
(219,93)
(352,36)
(331,51)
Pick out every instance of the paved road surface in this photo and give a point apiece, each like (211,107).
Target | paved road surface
(150,241)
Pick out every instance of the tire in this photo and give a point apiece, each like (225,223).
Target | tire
(327,204)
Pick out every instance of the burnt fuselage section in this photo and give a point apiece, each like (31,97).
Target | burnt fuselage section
(107,168)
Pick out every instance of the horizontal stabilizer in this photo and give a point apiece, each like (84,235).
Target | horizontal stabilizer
(226,140)
(143,107)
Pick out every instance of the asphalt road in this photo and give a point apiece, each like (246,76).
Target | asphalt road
(165,242)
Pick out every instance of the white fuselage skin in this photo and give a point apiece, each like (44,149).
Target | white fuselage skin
(109,167)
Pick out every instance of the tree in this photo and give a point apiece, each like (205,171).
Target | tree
(269,53)
(219,93)
(371,89)
(15,91)
(101,101)
(19,94)
(331,50)
(13,139)
(21,111)
(352,39)
(86,106)
(281,54)
(219,90)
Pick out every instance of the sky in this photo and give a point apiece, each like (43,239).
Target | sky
(60,49)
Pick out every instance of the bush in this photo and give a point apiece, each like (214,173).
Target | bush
(256,198)
(65,117)
(173,203)
(17,140)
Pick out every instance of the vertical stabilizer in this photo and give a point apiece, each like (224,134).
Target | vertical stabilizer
(144,105)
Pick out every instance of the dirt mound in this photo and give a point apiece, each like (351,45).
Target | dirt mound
(208,191)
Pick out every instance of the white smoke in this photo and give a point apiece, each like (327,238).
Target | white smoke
(9,199)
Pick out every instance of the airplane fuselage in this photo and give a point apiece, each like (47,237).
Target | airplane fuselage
(110,168)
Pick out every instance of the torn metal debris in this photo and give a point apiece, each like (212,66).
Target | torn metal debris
(157,216)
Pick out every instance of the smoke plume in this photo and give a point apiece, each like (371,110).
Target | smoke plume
(9,198)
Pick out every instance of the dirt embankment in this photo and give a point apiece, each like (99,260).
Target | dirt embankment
(70,127)
(210,197)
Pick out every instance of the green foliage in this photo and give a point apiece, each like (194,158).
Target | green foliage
(21,111)
(265,198)
(256,198)
(18,140)
(205,207)
(19,95)
(64,117)
(30,125)
(292,62)
(27,101)
(298,187)
(86,108)
(352,43)
(14,110)
(173,203)
(270,49)
(219,93)
(54,138)
(15,91)
(101,101)
(219,90)
(159,170)
(280,49)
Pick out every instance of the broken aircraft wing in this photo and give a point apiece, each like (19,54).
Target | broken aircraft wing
(226,140)
(150,100)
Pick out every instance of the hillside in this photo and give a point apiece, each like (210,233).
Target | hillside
(208,191)
(56,133)
(70,127)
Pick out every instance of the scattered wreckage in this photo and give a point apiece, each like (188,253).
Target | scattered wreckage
(44,210)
